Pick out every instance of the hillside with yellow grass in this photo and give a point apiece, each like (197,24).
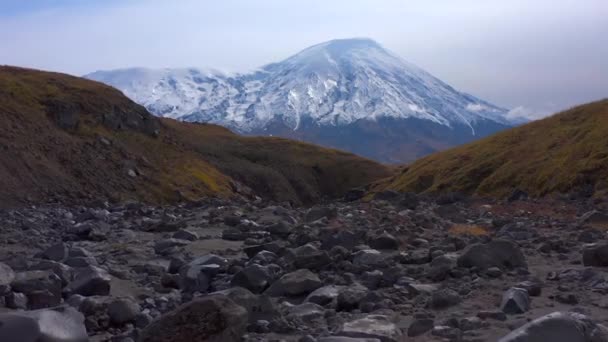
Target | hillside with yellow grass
(564,153)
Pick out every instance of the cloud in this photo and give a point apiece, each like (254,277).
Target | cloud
(475,107)
(510,53)
(528,113)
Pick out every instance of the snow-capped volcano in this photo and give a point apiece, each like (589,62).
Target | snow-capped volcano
(338,84)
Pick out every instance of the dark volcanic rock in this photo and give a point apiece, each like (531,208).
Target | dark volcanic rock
(64,272)
(122,311)
(377,327)
(308,256)
(324,295)
(384,241)
(498,253)
(349,298)
(342,238)
(444,298)
(420,326)
(534,288)
(42,288)
(61,324)
(515,300)
(594,218)
(197,274)
(7,275)
(596,255)
(90,281)
(300,282)
(255,278)
(211,318)
(275,247)
(317,213)
(58,252)
(559,327)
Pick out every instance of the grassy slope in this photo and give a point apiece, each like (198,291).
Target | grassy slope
(563,153)
(39,160)
(280,168)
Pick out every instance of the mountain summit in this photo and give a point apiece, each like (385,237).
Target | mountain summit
(351,94)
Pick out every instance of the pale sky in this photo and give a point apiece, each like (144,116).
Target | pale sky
(534,57)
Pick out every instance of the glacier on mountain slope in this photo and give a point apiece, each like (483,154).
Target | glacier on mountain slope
(334,83)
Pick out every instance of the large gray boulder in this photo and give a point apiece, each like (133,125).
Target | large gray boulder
(343,238)
(307,314)
(596,255)
(559,327)
(263,258)
(420,326)
(61,324)
(254,277)
(90,281)
(347,339)
(384,241)
(443,299)
(300,282)
(503,254)
(244,298)
(369,258)
(184,234)
(123,310)
(16,300)
(214,318)
(441,267)
(63,271)
(533,286)
(515,301)
(324,295)
(350,297)
(58,252)
(7,275)
(372,326)
(309,256)
(197,274)
(42,288)
(280,228)
(167,246)
(318,213)
(594,218)
(275,247)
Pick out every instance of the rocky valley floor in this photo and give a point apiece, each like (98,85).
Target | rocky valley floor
(397,268)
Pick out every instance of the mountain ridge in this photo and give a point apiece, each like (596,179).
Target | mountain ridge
(332,84)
